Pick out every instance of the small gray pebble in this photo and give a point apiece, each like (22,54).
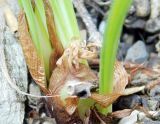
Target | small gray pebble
(137,53)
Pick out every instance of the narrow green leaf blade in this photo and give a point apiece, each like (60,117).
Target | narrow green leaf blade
(119,9)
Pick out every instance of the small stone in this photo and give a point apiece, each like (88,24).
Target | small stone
(141,116)
(150,48)
(50,121)
(132,10)
(138,117)
(153,105)
(122,50)
(155,9)
(154,61)
(135,23)
(102,26)
(128,102)
(151,39)
(153,25)
(142,7)
(137,53)
(140,79)
(131,119)
(34,90)
(155,91)
(148,121)
(124,46)
(158,47)
(155,115)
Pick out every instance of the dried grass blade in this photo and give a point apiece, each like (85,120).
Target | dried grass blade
(56,44)
(34,62)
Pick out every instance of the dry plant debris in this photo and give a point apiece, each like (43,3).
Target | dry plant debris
(35,65)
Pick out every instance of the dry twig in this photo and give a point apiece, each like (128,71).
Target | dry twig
(95,36)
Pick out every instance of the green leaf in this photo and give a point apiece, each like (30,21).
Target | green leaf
(38,30)
(65,20)
(117,14)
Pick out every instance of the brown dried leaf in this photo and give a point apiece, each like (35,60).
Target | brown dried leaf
(133,68)
(104,100)
(69,69)
(120,78)
(56,44)
(61,115)
(121,113)
(120,82)
(66,72)
(71,105)
(35,64)
(60,76)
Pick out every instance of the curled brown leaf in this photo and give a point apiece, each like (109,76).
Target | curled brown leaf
(34,62)
(120,82)
(70,71)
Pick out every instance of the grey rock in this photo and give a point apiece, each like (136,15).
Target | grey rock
(128,39)
(131,119)
(41,120)
(140,79)
(154,61)
(152,38)
(128,102)
(132,10)
(153,105)
(155,9)
(158,47)
(122,50)
(135,23)
(153,25)
(35,90)
(124,46)
(11,103)
(102,26)
(138,117)
(155,91)
(150,48)
(137,53)
(142,7)
(148,121)
(156,116)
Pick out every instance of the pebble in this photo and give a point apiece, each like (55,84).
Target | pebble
(127,41)
(153,25)
(153,105)
(155,8)
(102,27)
(138,117)
(137,53)
(142,7)
(154,61)
(135,23)
(128,102)
(155,91)
(158,47)
(140,79)
(131,119)
(148,121)
(34,90)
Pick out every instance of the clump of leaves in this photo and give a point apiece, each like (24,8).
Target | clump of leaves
(57,57)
